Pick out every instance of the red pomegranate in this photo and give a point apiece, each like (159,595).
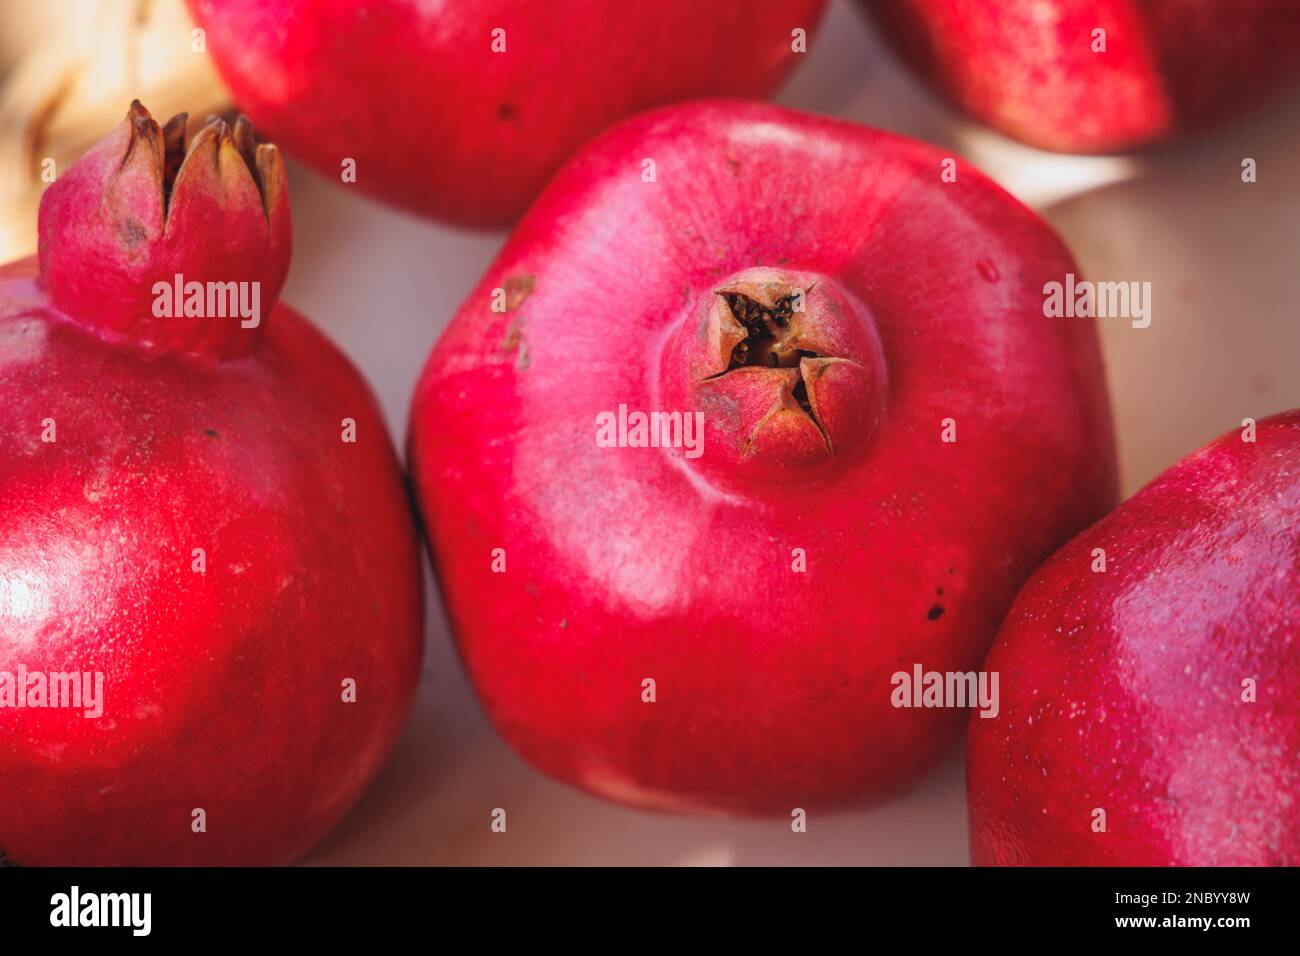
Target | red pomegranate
(1041,71)
(811,311)
(1150,686)
(210,608)
(462,109)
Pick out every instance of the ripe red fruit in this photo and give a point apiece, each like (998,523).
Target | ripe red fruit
(182,518)
(1125,691)
(462,110)
(1035,70)
(822,421)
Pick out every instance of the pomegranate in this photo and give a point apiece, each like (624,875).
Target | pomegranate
(210,607)
(1097,76)
(754,410)
(462,109)
(1150,710)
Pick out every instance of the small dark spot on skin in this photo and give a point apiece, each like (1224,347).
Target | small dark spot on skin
(210,433)
(132,232)
(935,612)
(938,590)
(952,570)
(734,163)
(506,111)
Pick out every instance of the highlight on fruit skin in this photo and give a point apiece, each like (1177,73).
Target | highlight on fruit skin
(815,296)
(1150,681)
(209,573)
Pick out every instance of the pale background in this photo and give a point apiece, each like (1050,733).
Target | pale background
(1224,344)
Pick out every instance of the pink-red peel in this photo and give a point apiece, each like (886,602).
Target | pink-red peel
(1150,681)
(825,301)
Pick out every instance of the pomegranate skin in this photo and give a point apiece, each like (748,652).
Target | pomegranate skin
(1028,69)
(441,125)
(1123,691)
(222,688)
(621,564)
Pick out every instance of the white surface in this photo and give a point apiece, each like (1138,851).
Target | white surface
(1224,344)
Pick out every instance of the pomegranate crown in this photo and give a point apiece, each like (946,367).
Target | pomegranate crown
(788,370)
(169,245)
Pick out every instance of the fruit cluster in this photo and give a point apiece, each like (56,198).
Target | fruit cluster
(752,465)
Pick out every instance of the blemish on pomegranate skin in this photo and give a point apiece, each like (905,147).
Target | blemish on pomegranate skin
(514,335)
(514,342)
(935,613)
(132,232)
(518,289)
(987,270)
(210,433)
(506,112)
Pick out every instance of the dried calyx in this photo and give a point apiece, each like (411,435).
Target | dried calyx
(785,366)
(144,208)
(773,340)
(261,160)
